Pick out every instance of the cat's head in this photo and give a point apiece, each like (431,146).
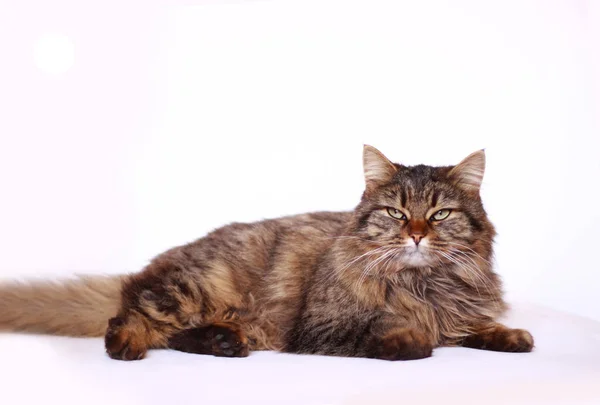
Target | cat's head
(421,216)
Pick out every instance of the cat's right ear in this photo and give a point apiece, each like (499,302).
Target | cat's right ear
(468,174)
(378,169)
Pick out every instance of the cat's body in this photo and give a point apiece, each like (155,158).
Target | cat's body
(334,283)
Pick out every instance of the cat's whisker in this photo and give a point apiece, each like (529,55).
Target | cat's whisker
(354,260)
(470,270)
(470,249)
(475,265)
(486,283)
(462,255)
(365,272)
(390,260)
(352,237)
(458,256)
(469,258)
(453,260)
(338,272)
(372,265)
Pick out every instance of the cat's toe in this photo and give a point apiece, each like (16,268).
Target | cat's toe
(402,344)
(229,342)
(519,341)
(121,344)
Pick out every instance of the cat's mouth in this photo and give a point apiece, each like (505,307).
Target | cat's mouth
(415,256)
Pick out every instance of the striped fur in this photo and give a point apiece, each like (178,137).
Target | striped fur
(361,283)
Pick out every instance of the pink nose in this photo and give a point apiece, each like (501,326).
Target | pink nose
(417,230)
(417,238)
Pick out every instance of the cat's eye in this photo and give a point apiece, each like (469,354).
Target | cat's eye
(440,215)
(394,213)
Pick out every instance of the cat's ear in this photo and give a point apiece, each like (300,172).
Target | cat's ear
(378,169)
(468,174)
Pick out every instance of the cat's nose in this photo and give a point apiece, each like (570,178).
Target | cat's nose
(417,230)
(417,237)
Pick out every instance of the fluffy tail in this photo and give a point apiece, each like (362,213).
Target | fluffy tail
(78,307)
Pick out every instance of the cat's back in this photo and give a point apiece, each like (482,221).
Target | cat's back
(302,225)
(257,246)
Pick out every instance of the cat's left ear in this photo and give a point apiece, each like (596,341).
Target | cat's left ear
(468,174)
(378,169)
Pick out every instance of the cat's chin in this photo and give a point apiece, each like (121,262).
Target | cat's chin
(416,258)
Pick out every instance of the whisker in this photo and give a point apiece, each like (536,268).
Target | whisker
(365,273)
(339,271)
(368,253)
(372,265)
(486,282)
(470,249)
(470,270)
(352,237)
(455,261)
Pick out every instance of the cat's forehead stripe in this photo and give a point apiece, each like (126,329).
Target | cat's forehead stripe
(434,197)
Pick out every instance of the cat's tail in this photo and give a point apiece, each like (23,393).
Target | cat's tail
(75,307)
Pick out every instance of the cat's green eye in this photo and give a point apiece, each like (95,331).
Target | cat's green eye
(440,215)
(394,213)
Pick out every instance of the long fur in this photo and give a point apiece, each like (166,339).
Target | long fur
(76,307)
(386,280)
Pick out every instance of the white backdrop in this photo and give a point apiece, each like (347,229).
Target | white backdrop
(127,127)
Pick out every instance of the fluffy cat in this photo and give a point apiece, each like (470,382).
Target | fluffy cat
(407,271)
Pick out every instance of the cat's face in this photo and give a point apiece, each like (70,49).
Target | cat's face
(422,216)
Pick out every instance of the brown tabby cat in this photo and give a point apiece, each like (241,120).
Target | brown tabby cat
(408,270)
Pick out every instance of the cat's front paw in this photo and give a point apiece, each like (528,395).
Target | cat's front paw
(499,338)
(229,342)
(401,344)
(224,340)
(519,340)
(122,342)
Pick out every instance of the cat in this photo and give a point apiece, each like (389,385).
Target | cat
(408,270)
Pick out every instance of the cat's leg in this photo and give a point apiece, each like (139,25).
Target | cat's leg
(499,338)
(372,337)
(400,343)
(130,335)
(219,339)
(156,303)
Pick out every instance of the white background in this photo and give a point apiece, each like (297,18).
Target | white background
(128,127)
